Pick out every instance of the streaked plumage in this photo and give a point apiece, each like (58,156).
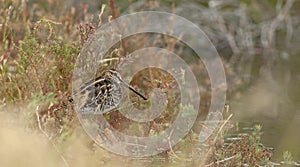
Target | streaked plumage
(104,93)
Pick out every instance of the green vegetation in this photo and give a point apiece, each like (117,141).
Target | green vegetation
(38,49)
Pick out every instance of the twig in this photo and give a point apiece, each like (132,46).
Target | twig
(222,126)
(283,14)
(111,4)
(54,146)
(172,152)
(100,15)
(114,15)
(221,161)
(214,141)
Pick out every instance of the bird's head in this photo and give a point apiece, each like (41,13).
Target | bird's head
(112,74)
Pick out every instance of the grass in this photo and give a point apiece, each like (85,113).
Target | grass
(38,53)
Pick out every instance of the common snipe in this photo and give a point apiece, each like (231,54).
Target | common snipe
(104,93)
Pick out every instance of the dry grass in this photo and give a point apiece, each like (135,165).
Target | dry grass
(39,46)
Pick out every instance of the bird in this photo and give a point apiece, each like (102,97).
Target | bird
(103,93)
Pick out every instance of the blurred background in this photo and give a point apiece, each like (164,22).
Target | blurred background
(258,42)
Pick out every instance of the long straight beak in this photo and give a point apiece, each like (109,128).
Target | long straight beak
(132,89)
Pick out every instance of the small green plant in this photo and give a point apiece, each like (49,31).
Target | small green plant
(247,150)
(287,158)
(256,133)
